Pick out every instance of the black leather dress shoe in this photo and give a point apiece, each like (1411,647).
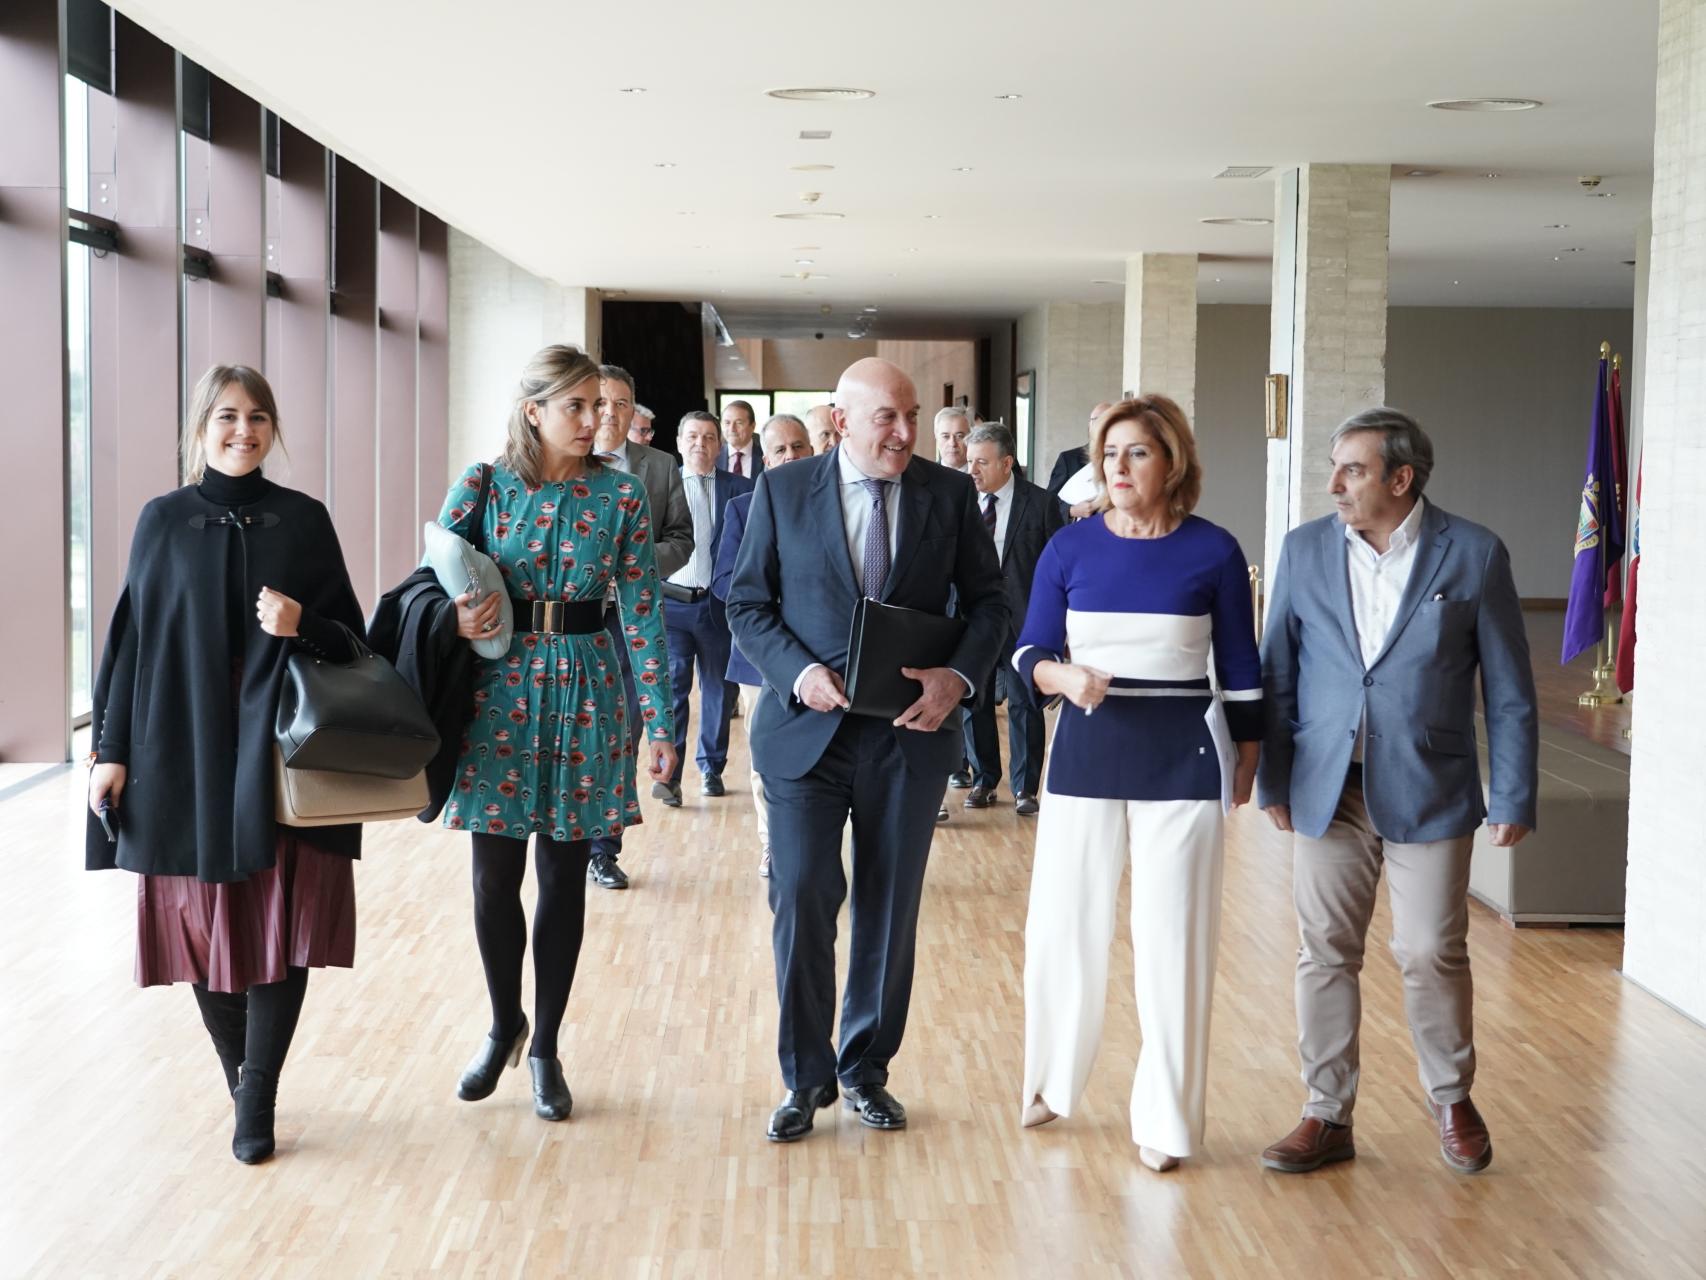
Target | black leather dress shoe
(942,813)
(876,1106)
(793,1119)
(960,779)
(668,792)
(980,797)
(604,872)
(1025,806)
(481,1074)
(551,1097)
(713,785)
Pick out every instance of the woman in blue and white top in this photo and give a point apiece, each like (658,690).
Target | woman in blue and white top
(1125,611)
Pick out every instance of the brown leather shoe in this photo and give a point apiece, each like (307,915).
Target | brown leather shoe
(1463,1137)
(1309,1146)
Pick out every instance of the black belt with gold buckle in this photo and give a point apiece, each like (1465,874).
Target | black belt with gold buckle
(684,595)
(560,617)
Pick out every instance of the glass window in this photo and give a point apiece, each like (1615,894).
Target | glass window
(77,144)
(77,451)
(759,400)
(798,402)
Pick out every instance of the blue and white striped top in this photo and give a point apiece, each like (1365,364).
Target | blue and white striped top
(1149,611)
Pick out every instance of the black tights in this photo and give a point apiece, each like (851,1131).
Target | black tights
(500,925)
(252,1029)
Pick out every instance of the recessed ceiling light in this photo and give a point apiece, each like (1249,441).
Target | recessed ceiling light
(1485,104)
(1421,173)
(909,250)
(632,89)
(1217,279)
(821,95)
(932,217)
(811,168)
(1008,97)
(814,215)
(804,275)
(1556,226)
(1454,282)
(684,213)
(663,164)
(962,168)
(1236,222)
(814,135)
(870,310)
(805,262)
(1601,195)
(1575,249)
(1492,175)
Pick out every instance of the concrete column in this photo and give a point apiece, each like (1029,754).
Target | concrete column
(1161,327)
(1664,945)
(1328,333)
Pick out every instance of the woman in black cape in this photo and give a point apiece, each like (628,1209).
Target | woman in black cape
(228,576)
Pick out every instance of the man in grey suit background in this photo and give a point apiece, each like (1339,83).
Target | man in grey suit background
(1381,617)
(672,542)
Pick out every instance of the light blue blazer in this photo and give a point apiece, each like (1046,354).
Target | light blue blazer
(1459,616)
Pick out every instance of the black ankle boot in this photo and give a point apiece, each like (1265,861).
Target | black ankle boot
(481,1074)
(551,1097)
(256,1096)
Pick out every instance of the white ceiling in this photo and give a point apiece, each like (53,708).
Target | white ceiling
(506,119)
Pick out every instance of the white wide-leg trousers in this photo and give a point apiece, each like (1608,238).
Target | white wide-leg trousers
(1176,853)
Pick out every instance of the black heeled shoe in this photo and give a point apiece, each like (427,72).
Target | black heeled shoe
(551,1097)
(256,1097)
(481,1074)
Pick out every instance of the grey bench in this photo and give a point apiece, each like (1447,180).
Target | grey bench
(1571,869)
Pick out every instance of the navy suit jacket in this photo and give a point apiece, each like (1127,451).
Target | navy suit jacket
(792,598)
(741,671)
(1068,464)
(1037,515)
(725,488)
(1459,617)
(757,458)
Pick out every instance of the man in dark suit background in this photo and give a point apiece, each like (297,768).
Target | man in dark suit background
(741,454)
(867,519)
(1072,461)
(1021,517)
(672,538)
(693,617)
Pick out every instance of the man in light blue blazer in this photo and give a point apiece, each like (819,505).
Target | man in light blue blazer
(1381,620)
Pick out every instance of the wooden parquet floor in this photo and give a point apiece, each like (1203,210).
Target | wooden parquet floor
(114,1126)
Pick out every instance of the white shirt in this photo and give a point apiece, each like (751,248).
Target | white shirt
(701,502)
(1377,585)
(748,456)
(619,456)
(1003,510)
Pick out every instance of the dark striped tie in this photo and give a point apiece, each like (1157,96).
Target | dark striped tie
(989,514)
(876,567)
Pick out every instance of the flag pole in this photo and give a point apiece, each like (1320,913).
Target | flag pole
(1604,692)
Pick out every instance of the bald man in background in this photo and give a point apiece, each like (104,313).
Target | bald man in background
(820,428)
(867,519)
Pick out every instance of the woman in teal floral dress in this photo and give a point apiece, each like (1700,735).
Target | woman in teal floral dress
(548,753)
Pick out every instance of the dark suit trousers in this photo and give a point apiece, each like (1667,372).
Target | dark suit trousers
(862,774)
(612,845)
(699,637)
(1024,735)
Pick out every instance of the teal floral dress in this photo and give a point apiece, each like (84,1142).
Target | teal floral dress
(549,748)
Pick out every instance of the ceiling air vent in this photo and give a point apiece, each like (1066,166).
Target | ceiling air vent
(1244,171)
(814,135)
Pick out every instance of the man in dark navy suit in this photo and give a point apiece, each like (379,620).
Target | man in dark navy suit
(1021,517)
(697,627)
(741,455)
(866,519)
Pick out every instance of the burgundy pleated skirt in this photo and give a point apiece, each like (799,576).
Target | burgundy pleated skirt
(299,912)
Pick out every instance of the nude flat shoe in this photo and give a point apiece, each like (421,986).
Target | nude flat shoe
(1159,1161)
(1037,1113)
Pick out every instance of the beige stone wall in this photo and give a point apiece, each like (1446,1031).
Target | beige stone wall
(1160,339)
(1665,935)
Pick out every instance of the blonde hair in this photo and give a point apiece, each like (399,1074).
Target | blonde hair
(550,372)
(1164,422)
(203,400)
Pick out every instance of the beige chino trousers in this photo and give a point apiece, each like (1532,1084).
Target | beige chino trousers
(1334,882)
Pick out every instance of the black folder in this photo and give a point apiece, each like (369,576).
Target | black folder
(885,638)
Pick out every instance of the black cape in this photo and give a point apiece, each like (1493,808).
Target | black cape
(199,796)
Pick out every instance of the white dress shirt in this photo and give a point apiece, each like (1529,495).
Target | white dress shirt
(1377,585)
(702,503)
(1003,511)
(618,457)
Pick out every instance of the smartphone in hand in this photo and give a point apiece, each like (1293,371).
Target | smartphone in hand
(109,819)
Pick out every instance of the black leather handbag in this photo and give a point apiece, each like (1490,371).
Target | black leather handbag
(352,717)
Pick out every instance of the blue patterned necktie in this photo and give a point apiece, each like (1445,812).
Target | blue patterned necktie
(876,566)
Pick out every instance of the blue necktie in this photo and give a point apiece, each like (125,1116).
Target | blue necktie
(876,566)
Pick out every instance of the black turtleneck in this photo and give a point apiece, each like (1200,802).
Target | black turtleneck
(233,491)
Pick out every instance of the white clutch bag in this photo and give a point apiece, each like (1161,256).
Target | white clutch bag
(460,568)
(319,798)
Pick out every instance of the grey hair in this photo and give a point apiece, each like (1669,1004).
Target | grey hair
(774,418)
(1403,443)
(953,411)
(997,434)
(640,411)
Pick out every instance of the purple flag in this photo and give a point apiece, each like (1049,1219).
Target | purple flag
(1584,616)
